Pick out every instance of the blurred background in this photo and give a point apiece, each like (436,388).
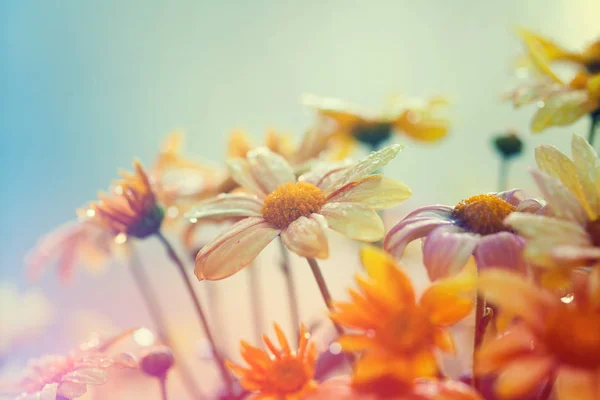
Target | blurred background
(87,86)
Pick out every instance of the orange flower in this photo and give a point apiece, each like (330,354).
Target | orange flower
(426,123)
(284,374)
(130,209)
(588,59)
(397,335)
(555,340)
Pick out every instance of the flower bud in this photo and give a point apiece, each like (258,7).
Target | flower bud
(157,361)
(508,145)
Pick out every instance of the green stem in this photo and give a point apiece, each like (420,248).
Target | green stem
(292,295)
(150,299)
(200,313)
(503,174)
(595,116)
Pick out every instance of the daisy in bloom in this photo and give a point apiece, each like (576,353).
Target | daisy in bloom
(342,197)
(559,103)
(396,334)
(177,181)
(67,377)
(588,58)
(72,244)
(131,208)
(473,227)
(426,123)
(555,341)
(23,317)
(570,235)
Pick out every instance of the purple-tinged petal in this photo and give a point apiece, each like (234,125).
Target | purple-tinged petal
(446,250)
(513,196)
(234,249)
(502,250)
(530,206)
(408,230)
(438,210)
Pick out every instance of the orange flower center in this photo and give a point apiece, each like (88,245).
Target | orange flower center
(408,331)
(288,375)
(574,336)
(291,201)
(593,229)
(483,214)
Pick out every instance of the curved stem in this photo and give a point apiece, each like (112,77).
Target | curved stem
(200,313)
(163,388)
(292,295)
(150,299)
(481,320)
(595,124)
(316,270)
(255,302)
(503,174)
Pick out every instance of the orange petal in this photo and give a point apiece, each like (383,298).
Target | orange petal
(285,346)
(382,268)
(494,354)
(351,343)
(522,376)
(577,384)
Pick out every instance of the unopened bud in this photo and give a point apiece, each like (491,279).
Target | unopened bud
(157,361)
(509,144)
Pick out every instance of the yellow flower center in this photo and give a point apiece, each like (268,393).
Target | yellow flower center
(574,336)
(593,229)
(408,331)
(483,214)
(291,201)
(288,375)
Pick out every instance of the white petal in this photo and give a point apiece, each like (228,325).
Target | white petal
(556,230)
(376,160)
(588,170)
(561,109)
(307,237)
(325,174)
(227,206)
(562,203)
(353,220)
(375,191)
(234,249)
(241,172)
(269,169)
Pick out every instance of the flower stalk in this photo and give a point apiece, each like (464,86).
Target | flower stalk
(200,313)
(292,295)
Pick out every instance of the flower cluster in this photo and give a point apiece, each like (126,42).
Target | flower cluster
(520,274)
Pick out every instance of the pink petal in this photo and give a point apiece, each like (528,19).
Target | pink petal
(227,206)
(438,210)
(562,202)
(234,249)
(354,220)
(91,376)
(270,170)
(512,196)
(71,390)
(503,250)
(408,230)
(306,237)
(447,249)
(375,191)
(241,172)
